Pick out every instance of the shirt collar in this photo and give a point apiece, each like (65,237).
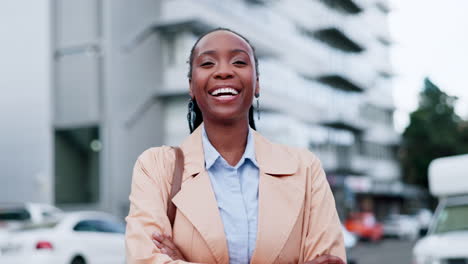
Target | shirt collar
(212,155)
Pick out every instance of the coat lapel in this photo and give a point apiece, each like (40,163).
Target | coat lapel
(197,202)
(196,199)
(281,197)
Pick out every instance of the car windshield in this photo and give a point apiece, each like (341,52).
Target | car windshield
(452,218)
(14,214)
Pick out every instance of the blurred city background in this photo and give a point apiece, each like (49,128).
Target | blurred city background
(375,88)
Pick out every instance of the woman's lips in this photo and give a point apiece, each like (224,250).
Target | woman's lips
(224,93)
(224,90)
(225,98)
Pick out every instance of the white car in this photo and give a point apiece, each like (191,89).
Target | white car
(77,238)
(14,215)
(350,239)
(447,239)
(424,217)
(401,226)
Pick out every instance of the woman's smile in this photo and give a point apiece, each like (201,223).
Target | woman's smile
(224,93)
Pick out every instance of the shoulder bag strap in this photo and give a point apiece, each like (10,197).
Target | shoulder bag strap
(176,183)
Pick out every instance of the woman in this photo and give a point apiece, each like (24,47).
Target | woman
(243,199)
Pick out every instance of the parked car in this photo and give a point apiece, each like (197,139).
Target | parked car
(77,238)
(350,239)
(424,217)
(364,225)
(447,238)
(14,215)
(401,226)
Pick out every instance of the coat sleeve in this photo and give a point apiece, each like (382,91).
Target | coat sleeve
(324,234)
(148,205)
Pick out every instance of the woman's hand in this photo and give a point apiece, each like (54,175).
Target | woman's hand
(167,246)
(326,259)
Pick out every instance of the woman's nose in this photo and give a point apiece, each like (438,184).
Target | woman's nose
(223,71)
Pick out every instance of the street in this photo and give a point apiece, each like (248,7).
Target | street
(388,251)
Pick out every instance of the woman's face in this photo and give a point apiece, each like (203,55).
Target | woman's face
(224,80)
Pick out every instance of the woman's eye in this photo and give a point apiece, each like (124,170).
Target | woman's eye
(240,62)
(208,63)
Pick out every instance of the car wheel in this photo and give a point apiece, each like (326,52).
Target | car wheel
(78,260)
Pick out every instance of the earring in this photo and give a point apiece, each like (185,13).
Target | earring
(191,115)
(257,95)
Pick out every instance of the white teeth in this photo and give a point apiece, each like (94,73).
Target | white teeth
(224,90)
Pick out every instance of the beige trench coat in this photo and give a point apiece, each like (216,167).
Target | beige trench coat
(297,218)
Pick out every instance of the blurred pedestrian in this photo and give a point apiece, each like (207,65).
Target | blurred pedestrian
(243,199)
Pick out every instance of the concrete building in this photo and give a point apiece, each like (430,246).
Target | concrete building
(81,102)
(113,83)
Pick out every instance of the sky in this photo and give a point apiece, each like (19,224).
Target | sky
(430,38)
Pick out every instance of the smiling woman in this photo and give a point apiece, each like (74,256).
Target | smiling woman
(243,198)
(205,59)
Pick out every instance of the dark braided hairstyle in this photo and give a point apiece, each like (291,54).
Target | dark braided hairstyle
(193,124)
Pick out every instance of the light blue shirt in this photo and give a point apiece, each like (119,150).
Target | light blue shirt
(236,191)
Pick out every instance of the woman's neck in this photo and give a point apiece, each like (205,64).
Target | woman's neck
(229,140)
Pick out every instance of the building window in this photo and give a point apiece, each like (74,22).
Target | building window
(376,114)
(385,74)
(257,2)
(336,39)
(344,6)
(384,41)
(383,7)
(340,83)
(77,165)
(378,151)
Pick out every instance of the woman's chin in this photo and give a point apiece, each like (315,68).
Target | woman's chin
(225,116)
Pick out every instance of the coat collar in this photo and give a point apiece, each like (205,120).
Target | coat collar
(212,155)
(279,203)
(273,159)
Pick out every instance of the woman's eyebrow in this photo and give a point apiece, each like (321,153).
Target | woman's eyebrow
(239,50)
(209,52)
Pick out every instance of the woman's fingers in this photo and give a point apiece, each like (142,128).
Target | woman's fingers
(158,237)
(157,243)
(167,246)
(164,248)
(163,240)
(168,242)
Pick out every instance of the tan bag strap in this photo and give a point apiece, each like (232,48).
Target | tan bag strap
(176,183)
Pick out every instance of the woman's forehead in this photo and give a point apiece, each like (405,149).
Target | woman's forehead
(222,40)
